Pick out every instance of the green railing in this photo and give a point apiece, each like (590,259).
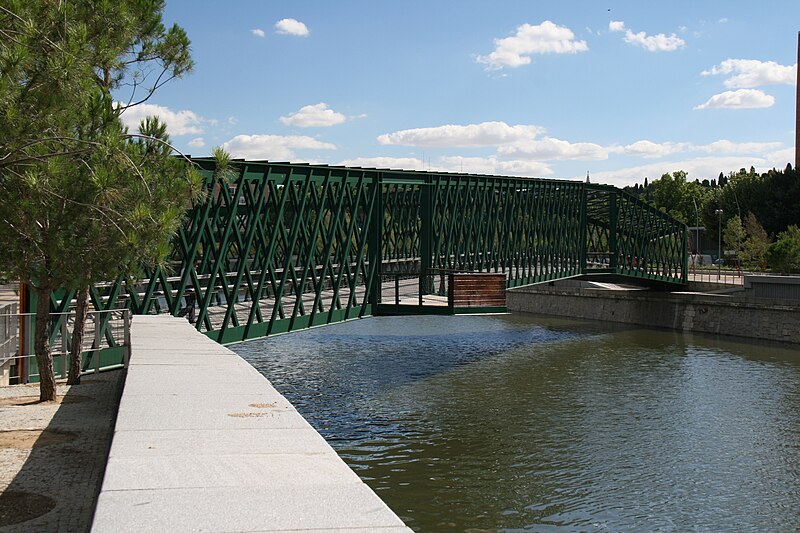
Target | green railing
(282,247)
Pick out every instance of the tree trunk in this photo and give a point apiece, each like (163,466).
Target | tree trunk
(41,345)
(76,348)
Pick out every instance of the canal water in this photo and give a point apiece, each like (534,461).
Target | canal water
(520,423)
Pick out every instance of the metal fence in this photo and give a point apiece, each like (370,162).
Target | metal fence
(717,275)
(414,288)
(106,343)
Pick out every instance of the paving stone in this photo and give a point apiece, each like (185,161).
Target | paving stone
(203,442)
(299,508)
(215,442)
(271,471)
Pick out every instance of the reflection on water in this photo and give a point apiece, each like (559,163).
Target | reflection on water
(520,423)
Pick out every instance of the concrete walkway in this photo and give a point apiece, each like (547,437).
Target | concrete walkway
(203,442)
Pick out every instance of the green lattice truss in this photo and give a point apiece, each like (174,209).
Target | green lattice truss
(285,247)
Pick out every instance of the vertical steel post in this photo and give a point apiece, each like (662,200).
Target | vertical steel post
(719,244)
(425,238)
(685,255)
(64,348)
(374,244)
(584,230)
(24,331)
(126,337)
(613,215)
(96,343)
(25,376)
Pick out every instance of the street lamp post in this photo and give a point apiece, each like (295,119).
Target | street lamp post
(719,241)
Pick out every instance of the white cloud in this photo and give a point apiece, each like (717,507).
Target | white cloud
(178,123)
(232,120)
(546,38)
(725,146)
(291,27)
(654,43)
(552,149)
(470,135)
(273,147)
(616,25)
(197,142)
(317,115)
(493,165)
(741,99)
(258,32)
(403,163)
(649,149)
(723,20)
(468,165)
(749,73)
(779,158)
(556,149)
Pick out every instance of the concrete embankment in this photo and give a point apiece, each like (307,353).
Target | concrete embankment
(722,314)
(203,442)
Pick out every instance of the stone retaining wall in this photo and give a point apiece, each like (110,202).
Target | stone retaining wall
(704,313)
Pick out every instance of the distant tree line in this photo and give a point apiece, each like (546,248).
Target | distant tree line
(760,212)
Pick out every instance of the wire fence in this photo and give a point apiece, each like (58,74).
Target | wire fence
(106,343)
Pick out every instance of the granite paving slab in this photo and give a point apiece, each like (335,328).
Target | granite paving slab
(203,442)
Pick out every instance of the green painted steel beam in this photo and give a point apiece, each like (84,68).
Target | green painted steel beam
(286,246)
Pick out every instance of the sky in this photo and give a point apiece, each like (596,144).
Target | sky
(555,89)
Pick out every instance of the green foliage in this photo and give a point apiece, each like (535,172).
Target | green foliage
(678,197)
(75,186)
(772,197)
(784,254)
(780,199)
(733,235)
(224,167)
(81,199)
(754,248)
(130,49)
(140,196)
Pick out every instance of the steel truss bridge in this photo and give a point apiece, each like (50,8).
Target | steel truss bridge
(281,247)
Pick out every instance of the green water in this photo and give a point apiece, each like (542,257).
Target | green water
(520,423)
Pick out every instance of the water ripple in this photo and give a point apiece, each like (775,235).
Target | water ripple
(528,424)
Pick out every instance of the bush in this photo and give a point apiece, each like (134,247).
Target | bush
(784,254)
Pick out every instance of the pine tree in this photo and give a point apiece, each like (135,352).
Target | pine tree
(80,196)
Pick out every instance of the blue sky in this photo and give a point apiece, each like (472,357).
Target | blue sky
(623,90)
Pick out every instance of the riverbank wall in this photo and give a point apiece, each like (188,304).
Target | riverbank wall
(720,314)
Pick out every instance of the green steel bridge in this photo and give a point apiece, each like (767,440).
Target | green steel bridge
(281,247)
